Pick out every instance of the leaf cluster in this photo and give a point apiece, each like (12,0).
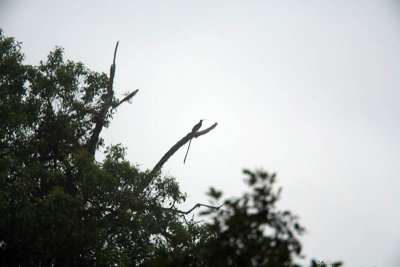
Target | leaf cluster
(251,231)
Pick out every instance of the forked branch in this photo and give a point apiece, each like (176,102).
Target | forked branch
(100,120)
(101,116)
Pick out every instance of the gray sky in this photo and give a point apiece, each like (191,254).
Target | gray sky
(307,89)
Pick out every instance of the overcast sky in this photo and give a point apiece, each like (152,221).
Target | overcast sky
(307,89)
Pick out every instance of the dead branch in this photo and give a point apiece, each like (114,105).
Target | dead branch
(198,205)
(108,104)
(127,98)
(172,151)
(197,134)
(100,120)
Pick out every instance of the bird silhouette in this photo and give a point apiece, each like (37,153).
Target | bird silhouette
(194,129)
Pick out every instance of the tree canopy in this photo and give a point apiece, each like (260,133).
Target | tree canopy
(59,206)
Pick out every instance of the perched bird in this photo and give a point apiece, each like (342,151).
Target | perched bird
(194,129)
(197,126)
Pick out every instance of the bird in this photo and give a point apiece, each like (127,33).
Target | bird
(194,130)
(197,126)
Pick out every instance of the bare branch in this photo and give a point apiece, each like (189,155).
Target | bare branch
(172,151)
(100,120)
(197,134)
(115,52)
(198,205)
(127,98)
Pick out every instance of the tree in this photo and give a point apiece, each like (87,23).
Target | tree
(240,230)
(251,231)
(61,207)
(58,205)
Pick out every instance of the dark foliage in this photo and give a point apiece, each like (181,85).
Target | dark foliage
(58,205)
(251,231)
(61,207)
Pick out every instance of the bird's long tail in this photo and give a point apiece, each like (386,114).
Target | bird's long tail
(187,151)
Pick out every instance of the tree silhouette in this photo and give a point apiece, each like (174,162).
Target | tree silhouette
(61,207)
(251,230)
(58,205)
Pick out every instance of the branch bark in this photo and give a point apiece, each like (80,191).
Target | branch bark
(127,98)
(172,151)
(198,205)
(108,104)
(100,120)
